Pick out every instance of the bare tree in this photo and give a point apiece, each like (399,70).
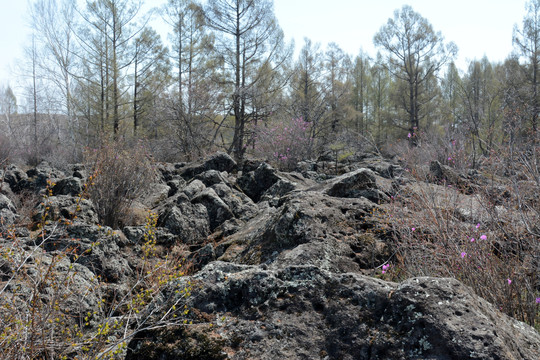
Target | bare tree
(527,43)
(53,22)
(307,97)
(336,64)
(8,107)
(249,39)
(150,75)
(106,40)
(194,102)
(415,53)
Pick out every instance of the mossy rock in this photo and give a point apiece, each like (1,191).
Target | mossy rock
(178,343)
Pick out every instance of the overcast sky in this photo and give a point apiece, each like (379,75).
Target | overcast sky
(478,27)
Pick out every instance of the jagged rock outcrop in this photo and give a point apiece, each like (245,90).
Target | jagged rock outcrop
(304,312)
(283,265)
(310,228)
(219,161)
(7,211)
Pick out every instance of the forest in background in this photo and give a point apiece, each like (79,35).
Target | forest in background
(104,91)
(226,79)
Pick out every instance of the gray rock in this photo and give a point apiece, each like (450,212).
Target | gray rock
(193,188)
(6,204)
(96,248)
(189,222)
(199,258)
(275,192)
(43,173)
(350,184)
(218,211)
(155,194)
(255,183)
(358,183)
(219,161)
(79,171)
(446,175)
(175,185)
(384,168)
(303,312)
(239,204)
(265,181)
(7,218)
(212,177)
(309,228)
(276,263)
(40,279)
(135,235)
(68,186)
(66,207)
(16,178)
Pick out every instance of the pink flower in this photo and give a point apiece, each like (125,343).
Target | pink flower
(463,254)
(509,281)
(478,225)
(412,229)
(409,135)
(385,268)
(472,239)
(483,237)
(449,158)
(538,300)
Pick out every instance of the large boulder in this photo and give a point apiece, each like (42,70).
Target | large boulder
(189,222)
(239,203)
(218,211)
(68,186)
(95,247)
(304,312)
(7,204)
(16,178)
(444,174)
(219,161)
(66,207)
(358,183)
(43,176)
(310,228)
(254,183)
(8,213)
(48,279)
(261,182)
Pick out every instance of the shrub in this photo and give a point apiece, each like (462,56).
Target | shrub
(119,174)
(283,143)
(449,150)
(5,149)
(52,307)
(488,241)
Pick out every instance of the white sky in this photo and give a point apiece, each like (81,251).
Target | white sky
(478,27)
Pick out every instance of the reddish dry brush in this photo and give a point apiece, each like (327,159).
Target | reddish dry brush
(489,239)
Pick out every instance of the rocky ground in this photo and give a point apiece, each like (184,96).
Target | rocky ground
(282,265)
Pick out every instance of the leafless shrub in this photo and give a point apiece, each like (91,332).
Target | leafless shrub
(51,307)
(489,239)
(449,149)
(119,174)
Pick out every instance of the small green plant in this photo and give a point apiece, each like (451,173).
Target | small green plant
(52,307)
